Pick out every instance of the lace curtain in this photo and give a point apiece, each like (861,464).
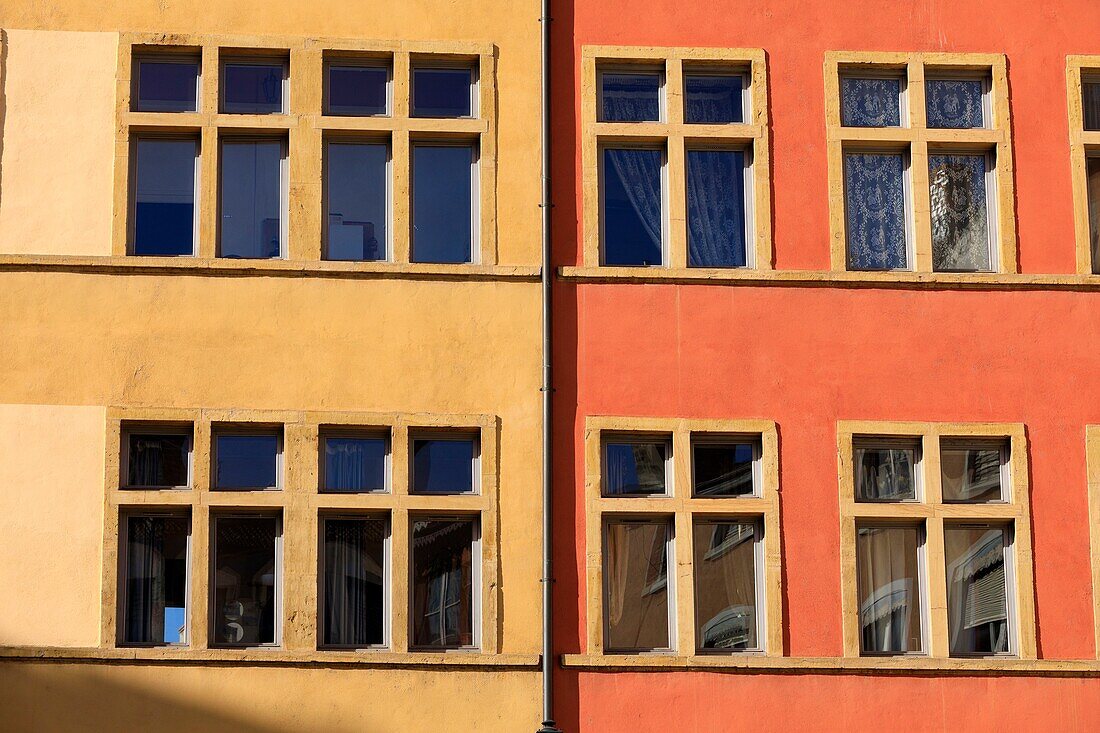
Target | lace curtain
(960,224)
(874,186)
(889,610)
(716,208)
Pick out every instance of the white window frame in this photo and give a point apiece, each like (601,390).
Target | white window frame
(628,438)
(991,212)
(388,173)
(641,70)
(351,62)
(891,442)
(474,146)
(1012,621)
(387,581)
(1001,445)
(456,435)
(907,193)
(256,59)
(475,580)
(363,433)
(922,583)
(755,441)
(246,429)
(669,521)
(168,55)
(125,514)
(139,428)
(284,188)
(662,147)
(759,594)
(131,204)
(279,571)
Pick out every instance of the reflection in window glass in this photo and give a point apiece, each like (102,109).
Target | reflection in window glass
(955,103)
(977,590)
(246,460)
(442,92)
(443,465)
(252,199)
(357,90)
(1091,104)
(960,212)
(885,473)
(870,102)
(714,99)
(635,468)
(442,582)
(717,227)
(164,196)
(244,580)
(167,85)
(723,469)
(725,585)
(1093,183)
(354,574)
(630,97)
(158,460)
(443,203)
(636,585)
(874,189)
(156,580)
(356,200)
(253,88)
(632,203)
(355,463)
(889,590)
(971,473)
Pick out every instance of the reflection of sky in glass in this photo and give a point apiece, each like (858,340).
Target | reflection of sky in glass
(630,97)
(441,92)
(356,201)
(253,88)
(443,466)
(716,208)
(246,461)
(174,620)
(251,199)
(632,203)
(712,99)
(634,468)
(167,86)
(357,90)
(164,197)
(442,203)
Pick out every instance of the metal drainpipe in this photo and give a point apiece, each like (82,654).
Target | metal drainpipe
(548,725)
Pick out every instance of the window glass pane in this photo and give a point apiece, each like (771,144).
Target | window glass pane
(164,197)
(158,460)
(636,580)
(443,466)
(885,473)
(167,86)
(977,595)
(875,197)
(633,202)
(156,580)
(442,582)
(725,585)
(971,473)
(630,97)
(716,208)
(253,88)
(636,468)
(1091,105)
(357,201)
(357,90)
(889,590)
(354,574)
(870,102)
(723,469)
(713,99)
(244,580)
(960,216)
(251,199)
(442,92)
(443,203)
(355,464)
(955,103)
(246,461)
(1092,174)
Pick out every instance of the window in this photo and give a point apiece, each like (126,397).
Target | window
(1084,138)
(156,457)
(166,82)
(154,593)
(444,564)
(165,218)
(443,91)
(675,159)
(354,582)
(964,512)
(357,200)
(704,551)
(1090,93)
(444,179)
(247,565)
(253,198)
(906,126)
(254,86)
(354,462)
(444,463)
(247,459)
(357,89)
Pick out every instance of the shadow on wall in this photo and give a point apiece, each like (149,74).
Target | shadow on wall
(3,101)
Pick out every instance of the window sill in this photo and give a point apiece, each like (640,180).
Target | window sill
(761,664)
(828,278)
(219,267)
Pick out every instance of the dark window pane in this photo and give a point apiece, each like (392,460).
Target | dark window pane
(713,99)
(723,469)
(725,585)
(357,201)
(442,92)
(244,580)
(875,199)
(960,213)
(158,460)
(357,90)
(354,575)
(971,473)
(635,468)
(246,461)
(355,464)
(870,102)
(442,582)
(442,203)
(630,97)
(955,103)
(442,466)
(1092,174)
(889,590)
(716,208)
(251,199)
(633,202)
(156,580)
(636,585)
(253,88)
(885,473)
(1091,102)
(977,595)
(167,86)
(164,197)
